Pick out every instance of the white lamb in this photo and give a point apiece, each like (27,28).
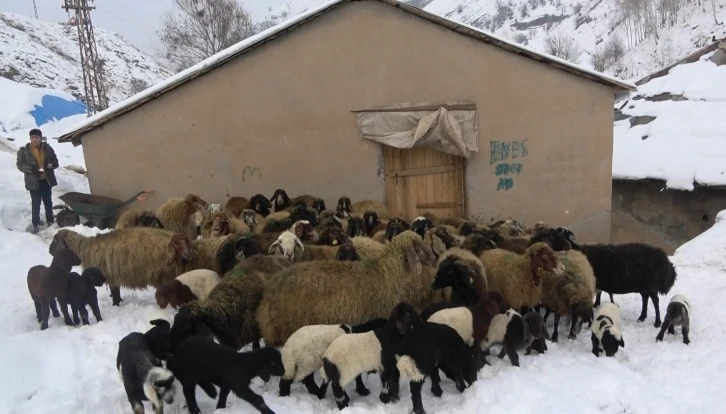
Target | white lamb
(286,245)
(200,281)
(607,333)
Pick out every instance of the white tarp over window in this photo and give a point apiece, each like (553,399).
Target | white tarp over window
(450,127)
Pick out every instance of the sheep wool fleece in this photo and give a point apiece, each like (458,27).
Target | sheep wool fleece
(354,354)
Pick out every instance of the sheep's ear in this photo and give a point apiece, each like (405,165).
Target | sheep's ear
(172,255)
(274,246)
(413,259)
(299,244)
(438,245)
(159,322)
(622,343)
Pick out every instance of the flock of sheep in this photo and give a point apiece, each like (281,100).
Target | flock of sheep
(343,292)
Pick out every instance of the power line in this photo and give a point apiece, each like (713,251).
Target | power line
(36,9)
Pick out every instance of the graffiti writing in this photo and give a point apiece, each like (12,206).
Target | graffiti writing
(508,169)
(251,171)
(502,150)
(505,184)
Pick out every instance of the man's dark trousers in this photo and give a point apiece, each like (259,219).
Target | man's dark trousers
(43,194)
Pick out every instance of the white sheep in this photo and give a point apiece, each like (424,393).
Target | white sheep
(514,332)
(191,285)
(286,245)
(607,333)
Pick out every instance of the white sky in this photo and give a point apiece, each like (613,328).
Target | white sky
(136,20)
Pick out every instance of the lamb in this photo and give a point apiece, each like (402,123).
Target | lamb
(347,252)
(280,200)
(428,347)
(472,322)
(229,310)
(570,293)
(187,287)
(260,205)
(421,225)
(144,377)
(303,353)
(607,334)
(464,273)
(134,257)
(629,268)
(82,291)
(138,218)
(201,361)
(351,355)
(177,214)
(46,283)
(516,276)
(286,245)
(235,205)
(678,313)
(403,272)
(515,332)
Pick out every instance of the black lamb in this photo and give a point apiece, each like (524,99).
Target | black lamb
(629,268)
(82,292)
(201,361)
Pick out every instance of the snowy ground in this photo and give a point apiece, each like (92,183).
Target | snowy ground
(72,369)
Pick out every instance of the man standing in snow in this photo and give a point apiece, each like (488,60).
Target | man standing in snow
(38,160)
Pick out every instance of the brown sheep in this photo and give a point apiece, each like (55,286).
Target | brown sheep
(251,219)
(222,223)
(134,257)
(440,239)
(177,214)
(307,199)
(332,236)
(186,287)
(327,292)
(477,244)
(235,205)
(449,221)
(134,217)
(46,283)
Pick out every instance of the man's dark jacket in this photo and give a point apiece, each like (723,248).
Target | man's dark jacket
(27,164)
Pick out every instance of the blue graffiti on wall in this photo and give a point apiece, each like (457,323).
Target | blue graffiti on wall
(507,150)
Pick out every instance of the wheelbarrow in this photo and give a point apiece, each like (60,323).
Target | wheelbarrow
(98,209)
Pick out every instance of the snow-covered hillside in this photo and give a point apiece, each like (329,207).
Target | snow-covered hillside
(591,23)
(46,54)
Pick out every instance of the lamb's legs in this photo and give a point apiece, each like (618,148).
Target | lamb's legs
(245,393)
(667,325)
(436,383)
(256,344)
(360,387)
(64,308)
(116,296)
(671,329)
(74,312)
(158,409)
(38,311)
(84,315)
(54,308)
(573,335)
(96,310)
(595,346)
(137,407)
(285,385)
(389,385)
(512,354)
(656,305)
(311,386)
(644,311)
(341,397)
(45,310)
(555,331)
(416,397)
(191,398)
(597,299)
(684,330)
(222,401)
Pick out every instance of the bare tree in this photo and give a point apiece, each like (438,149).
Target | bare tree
(713,5)
(196,29)
(563,47)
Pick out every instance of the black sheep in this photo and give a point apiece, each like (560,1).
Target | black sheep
(201,361)
(428,347)
(319,205)
(280,200)
(347,252)
(296,214)
(421,225)
(629,268)
(393,229)
(260,204)
(82,292)
(370,221)
(139,362)
(355,227)
(236,248)
(343,208)
(554,238)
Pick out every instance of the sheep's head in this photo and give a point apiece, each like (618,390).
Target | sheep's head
(404,317)
(343,210)
(287,245)
(65,258)
(319,205)
(569,235)
(393,230)
(303,213)
(245,247)
(478,244)
(584,314)
(466,228)
(347,252)
(543,258)
(186,322)
(194,199)
(220,224)
(421,225)
(280,200)
(158,338)
(534,322)
(492,235)
(250,218)
(260,205)
(148,219)
(165,293)
(416,252)
(400,221)
(59,242)
(612,338)
(355,227)
(94,276)
(536,228)
(555,239)
(304,230)
(332,236)
(180,249)
(214,207)
(455,273)
(370,220)
(509,227)
(330,222)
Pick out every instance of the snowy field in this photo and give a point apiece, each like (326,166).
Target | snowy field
(72,369)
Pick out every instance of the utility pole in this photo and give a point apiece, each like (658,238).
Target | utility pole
(36,9)
(96,99)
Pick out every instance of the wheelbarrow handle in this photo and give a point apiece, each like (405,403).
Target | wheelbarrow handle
(150,190)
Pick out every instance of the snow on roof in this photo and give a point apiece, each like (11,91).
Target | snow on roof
(685,141)
(231,52)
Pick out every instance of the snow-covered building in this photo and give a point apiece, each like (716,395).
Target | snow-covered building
(374,100)
(669,156)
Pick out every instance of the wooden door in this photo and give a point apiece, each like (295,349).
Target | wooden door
(420,180)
